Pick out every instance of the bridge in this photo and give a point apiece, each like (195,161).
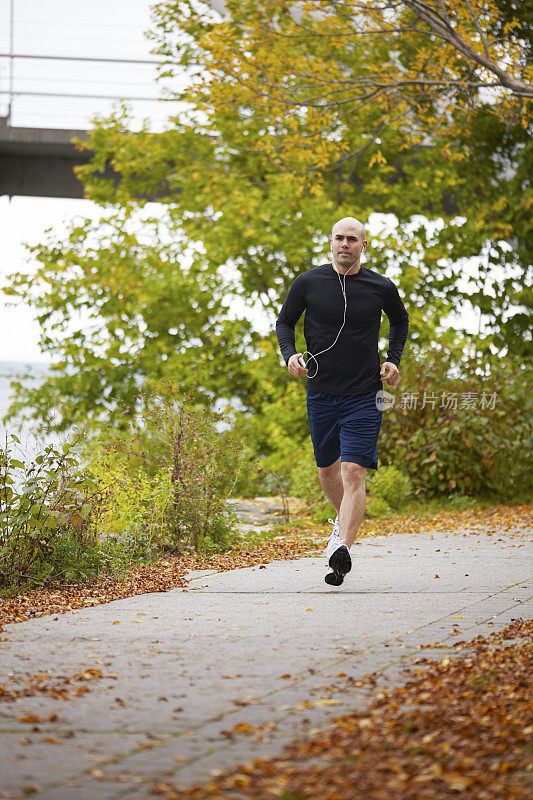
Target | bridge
(39,162)
(36,159)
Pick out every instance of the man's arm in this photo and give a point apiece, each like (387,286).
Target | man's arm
(399,324)
(290,313)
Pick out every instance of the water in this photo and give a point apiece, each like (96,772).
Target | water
(29,443)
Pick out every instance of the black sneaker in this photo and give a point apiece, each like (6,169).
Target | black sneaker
(341,563)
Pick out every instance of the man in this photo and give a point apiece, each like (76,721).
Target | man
(343,302)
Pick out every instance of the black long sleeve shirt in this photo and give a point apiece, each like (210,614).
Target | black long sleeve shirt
(352,365)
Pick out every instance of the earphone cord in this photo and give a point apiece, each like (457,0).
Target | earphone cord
(314,356)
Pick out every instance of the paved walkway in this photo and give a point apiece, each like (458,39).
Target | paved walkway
(231,668)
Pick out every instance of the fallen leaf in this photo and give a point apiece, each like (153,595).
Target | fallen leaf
(243,727)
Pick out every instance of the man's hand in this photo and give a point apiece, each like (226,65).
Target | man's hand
(389,373)
(295,368)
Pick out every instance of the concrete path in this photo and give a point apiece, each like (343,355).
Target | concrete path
(240,662)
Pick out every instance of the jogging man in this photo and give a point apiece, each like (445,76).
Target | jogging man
(343,302)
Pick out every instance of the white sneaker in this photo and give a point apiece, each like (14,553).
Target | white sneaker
(334,539)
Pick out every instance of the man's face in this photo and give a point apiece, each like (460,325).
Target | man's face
(347,243)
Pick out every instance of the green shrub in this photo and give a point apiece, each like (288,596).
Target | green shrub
(481,448)
(391,485)
(75,557)
(167,481)
(323,512)
(136,494)
(304,482)
(202,460)
(48,510)
(458,502)
(474,449)
(377,507)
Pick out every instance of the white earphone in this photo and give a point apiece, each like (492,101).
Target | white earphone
(314,356)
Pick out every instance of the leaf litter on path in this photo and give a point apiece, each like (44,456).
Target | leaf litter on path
(460,727)
(170,572)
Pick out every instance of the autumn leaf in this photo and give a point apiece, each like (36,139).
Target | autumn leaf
(430,736)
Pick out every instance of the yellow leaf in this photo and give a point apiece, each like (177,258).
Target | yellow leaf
(243,727)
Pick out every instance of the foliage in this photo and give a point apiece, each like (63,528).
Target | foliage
(304,483)
(481,447)
(132,518)
(142,310)
(185,466)
(377,507)
(159,486)
(389,488)
(250,178)
(304,476)
(459,502)
(48,513)
(391,485)
(476,449)
(314,67)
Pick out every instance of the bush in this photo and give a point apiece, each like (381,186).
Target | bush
(160,486)
(48,511)
(390,485)
(458,502)
(377,507)
(167,481)
(304,482)
(136,495)
(203,463)
(480,448)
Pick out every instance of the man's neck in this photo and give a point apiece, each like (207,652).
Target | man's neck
(353,270)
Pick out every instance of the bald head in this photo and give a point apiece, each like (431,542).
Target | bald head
(349,223)
(348,240)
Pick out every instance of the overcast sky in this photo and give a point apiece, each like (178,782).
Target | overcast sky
(103,28)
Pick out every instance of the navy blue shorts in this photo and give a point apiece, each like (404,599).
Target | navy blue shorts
(344,425)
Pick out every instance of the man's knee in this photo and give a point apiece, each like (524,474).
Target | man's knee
(325,473)
(352,474)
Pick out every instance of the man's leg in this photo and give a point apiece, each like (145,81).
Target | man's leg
(352,507)
(331,482)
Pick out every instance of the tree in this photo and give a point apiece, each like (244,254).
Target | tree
(121,309)
(251,190)
(410,107)
(308,68)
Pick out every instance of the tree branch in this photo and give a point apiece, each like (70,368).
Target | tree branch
(478,28)
(435,22)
